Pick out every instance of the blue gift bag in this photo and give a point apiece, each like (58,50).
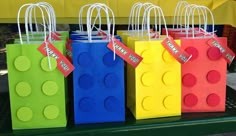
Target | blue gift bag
(98,81)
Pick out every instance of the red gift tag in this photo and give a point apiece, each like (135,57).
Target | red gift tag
(58,34)
(155,35)
(227,53)
(69,51)
(54,36)
(101,33)
(63,64)
(174,49)
(125,53)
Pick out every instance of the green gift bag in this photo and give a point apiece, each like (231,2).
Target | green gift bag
(36,86)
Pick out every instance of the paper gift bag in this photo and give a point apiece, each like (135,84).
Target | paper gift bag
(203,77)
(37,93)
(98,81)
(154,86)
(36,86)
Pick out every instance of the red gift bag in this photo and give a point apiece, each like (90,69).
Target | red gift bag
(203,77)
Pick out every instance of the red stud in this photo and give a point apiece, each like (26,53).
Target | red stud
(214,53)
(213,100)
(213,76)
(190,100)
(193,51)
(189,80)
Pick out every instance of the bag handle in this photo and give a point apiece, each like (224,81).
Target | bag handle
(188,12)
(29,7)
(155,18)
(185,11)
(138,13)
(177,12)
(49,9)
(106,9)
(52,14)
(204,18)
(204,10)
(80,17)
(41,8)
(132,16)
(160,12)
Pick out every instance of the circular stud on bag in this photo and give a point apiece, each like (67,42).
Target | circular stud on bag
(193,51)
(148,58)
(51,112)
(50,88)
(213,76)
(213,100)
(168,78)
(85,59)
(214,53)
(86,81)
(45,64)
(148,103)
(111,80)
(189,80)
(167,57)
(24,114)
(23,89)
(169,102)
(148,79)
(108,59)
(87,104)
(22,63)
(190,100)
(112,104)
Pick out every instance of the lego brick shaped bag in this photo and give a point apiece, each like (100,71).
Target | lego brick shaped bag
(36,87)
(154,86)
(204,76)
(98,81)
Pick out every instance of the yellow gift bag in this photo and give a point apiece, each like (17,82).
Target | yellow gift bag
(154,86)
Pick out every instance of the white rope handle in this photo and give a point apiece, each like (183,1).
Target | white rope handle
(52,14)
(186,11)
(131,16)
(30,6)
(18,20)
(177,12)
(145,17)
(106,9)
(144,6)
(136,16)
(199,8)
(80,17)
(163,17)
